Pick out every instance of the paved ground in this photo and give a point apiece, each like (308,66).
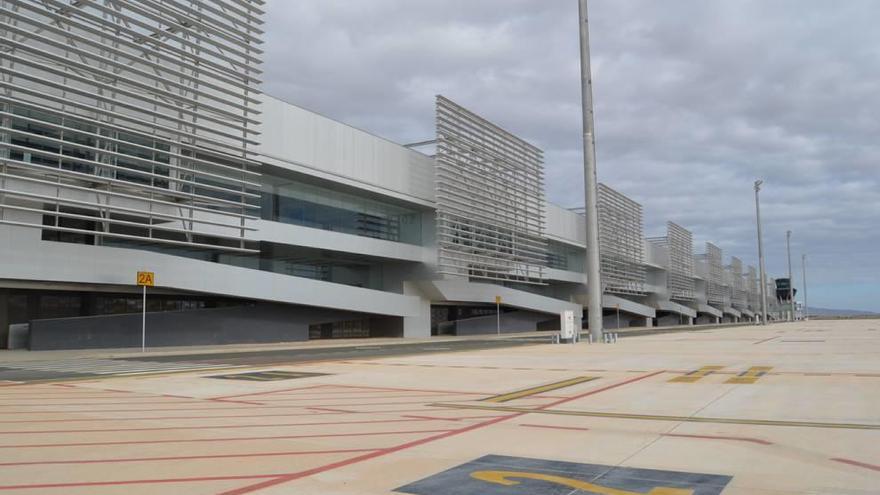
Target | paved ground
(786,409)
(58,365)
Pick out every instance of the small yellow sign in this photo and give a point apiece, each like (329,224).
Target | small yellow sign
(147,279)
(497,299)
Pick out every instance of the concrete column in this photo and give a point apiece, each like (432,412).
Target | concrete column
(417,326)
(690,320)
(649,322)
(717,320)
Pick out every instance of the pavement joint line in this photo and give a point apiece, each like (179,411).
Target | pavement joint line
(162,418)
(188,457)
(553,427)
(224,439)
(289,399)
(720,437)
(218,408)
(519,394)
(657,417)
(210,427)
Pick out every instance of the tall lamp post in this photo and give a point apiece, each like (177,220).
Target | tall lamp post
(761,253)
(790,279)
(804,272)
(594,294)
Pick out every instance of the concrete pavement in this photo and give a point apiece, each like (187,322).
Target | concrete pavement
(785,409)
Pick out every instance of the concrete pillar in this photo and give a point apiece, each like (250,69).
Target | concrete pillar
(417,326)
(717,320)
(649,322)
(690,321)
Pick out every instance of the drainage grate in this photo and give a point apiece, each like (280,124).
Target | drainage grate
(267,376)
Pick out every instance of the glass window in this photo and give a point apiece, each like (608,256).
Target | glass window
(323,208)
(565,257)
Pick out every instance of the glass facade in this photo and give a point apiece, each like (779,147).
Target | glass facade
(323,208)
(565,257)
(24,305)
(338,268)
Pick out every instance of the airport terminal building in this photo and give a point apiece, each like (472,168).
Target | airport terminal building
(134,137)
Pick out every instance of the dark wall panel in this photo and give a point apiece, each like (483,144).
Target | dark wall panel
(246,324)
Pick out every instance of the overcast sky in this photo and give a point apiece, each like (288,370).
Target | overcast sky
(694,99)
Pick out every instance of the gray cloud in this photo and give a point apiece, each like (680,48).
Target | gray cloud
(694,100)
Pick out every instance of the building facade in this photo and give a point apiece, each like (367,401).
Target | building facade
(134,137)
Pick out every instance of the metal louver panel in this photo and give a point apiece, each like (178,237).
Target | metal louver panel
(490,200)
(131,120)
(621,243)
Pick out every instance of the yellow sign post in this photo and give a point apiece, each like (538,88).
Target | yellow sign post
(145,279)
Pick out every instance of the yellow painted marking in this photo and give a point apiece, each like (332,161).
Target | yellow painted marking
(504,478)
(539,390)
(750,376)
(695,375)
(652,417)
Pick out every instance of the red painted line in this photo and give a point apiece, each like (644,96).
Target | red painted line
(328,409)
(232,401)
(716,437)
(414,443)
(68,397)
(218,407)
(267,392)
(206,427)
(200,440)
(872,467)
(137,482)
(555,427)
(598,390)
(105,403)
(157,418)
(188,457)
(309,472)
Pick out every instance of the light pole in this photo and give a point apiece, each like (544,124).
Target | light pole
(761,254)
(790,280)
(804,272)
(594,277)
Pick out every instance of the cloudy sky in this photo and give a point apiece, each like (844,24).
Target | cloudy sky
(694,100)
